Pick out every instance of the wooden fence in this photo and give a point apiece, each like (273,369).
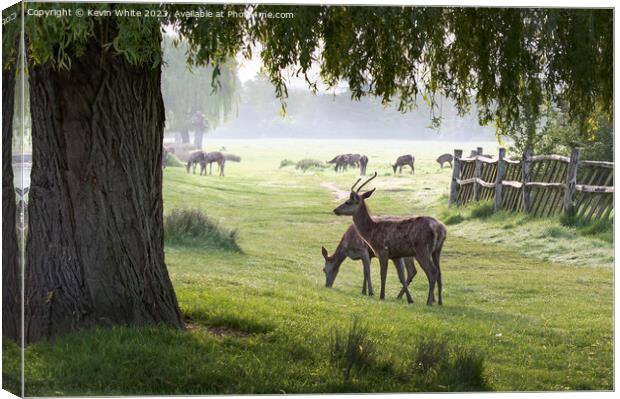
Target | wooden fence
(540,185)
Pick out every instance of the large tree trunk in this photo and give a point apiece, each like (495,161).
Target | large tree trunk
(11,281)
(198,136)
(95,251)
(184,136)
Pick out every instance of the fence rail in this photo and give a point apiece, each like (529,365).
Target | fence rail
(540,185)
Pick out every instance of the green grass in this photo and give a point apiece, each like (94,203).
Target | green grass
(528,305)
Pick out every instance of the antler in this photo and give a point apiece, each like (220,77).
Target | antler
(363,184)
(354,184)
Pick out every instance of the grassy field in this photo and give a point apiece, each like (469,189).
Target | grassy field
(528,304)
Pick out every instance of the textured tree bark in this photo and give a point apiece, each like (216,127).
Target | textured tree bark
(11,281)
(95,245)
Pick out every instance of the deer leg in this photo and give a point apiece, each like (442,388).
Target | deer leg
(436,256)
(398,263)
(367,282)
(383,262)
(412,169)
(222,168)
(411,272)
(424,258)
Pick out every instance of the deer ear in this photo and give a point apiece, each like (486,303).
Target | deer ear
(368,193)
(324,252)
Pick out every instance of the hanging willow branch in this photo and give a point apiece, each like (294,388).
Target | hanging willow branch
(508,61)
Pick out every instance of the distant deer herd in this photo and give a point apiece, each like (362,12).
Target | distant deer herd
(343,161)
(203,159)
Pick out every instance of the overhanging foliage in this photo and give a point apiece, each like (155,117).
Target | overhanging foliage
(509,61)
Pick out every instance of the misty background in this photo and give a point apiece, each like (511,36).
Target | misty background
(245,106)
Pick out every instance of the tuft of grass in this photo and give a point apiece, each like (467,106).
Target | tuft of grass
(308,163)
(173,161)
(466,372)
(482,210)
(559,232)
(430,355)
(601,229)
(286,162)
(352,349)
(453,219)
(193,227)
(437,365)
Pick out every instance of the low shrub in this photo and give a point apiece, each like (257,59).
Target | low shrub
(193,227)
(308,163)
(286,162)
(173,162)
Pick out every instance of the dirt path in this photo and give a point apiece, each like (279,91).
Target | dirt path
(389,185)
(339,194)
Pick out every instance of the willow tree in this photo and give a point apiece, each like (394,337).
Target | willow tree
(187,90)
(95,244)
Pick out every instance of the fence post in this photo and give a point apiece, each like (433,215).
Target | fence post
(571,181)
(525,190)
(499,179)
(478,175)
(456,173)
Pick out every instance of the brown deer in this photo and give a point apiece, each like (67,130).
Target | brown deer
(210,158)
(398,237)
(195,157)
(363,164)
(444,158)
(404,160)
(340,162)
(352,246)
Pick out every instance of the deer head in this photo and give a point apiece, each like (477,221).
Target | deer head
(355,199)
(394,167)
(331,268)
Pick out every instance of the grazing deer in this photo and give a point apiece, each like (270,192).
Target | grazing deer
(398,237)
(210,158)
(404,160)
(340,162)
(343,161)
(444,158)
(353,160)
(363,164)
(352,246)
(195,157)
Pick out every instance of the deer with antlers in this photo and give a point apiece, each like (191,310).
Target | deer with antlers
(398,237)
(352,246)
